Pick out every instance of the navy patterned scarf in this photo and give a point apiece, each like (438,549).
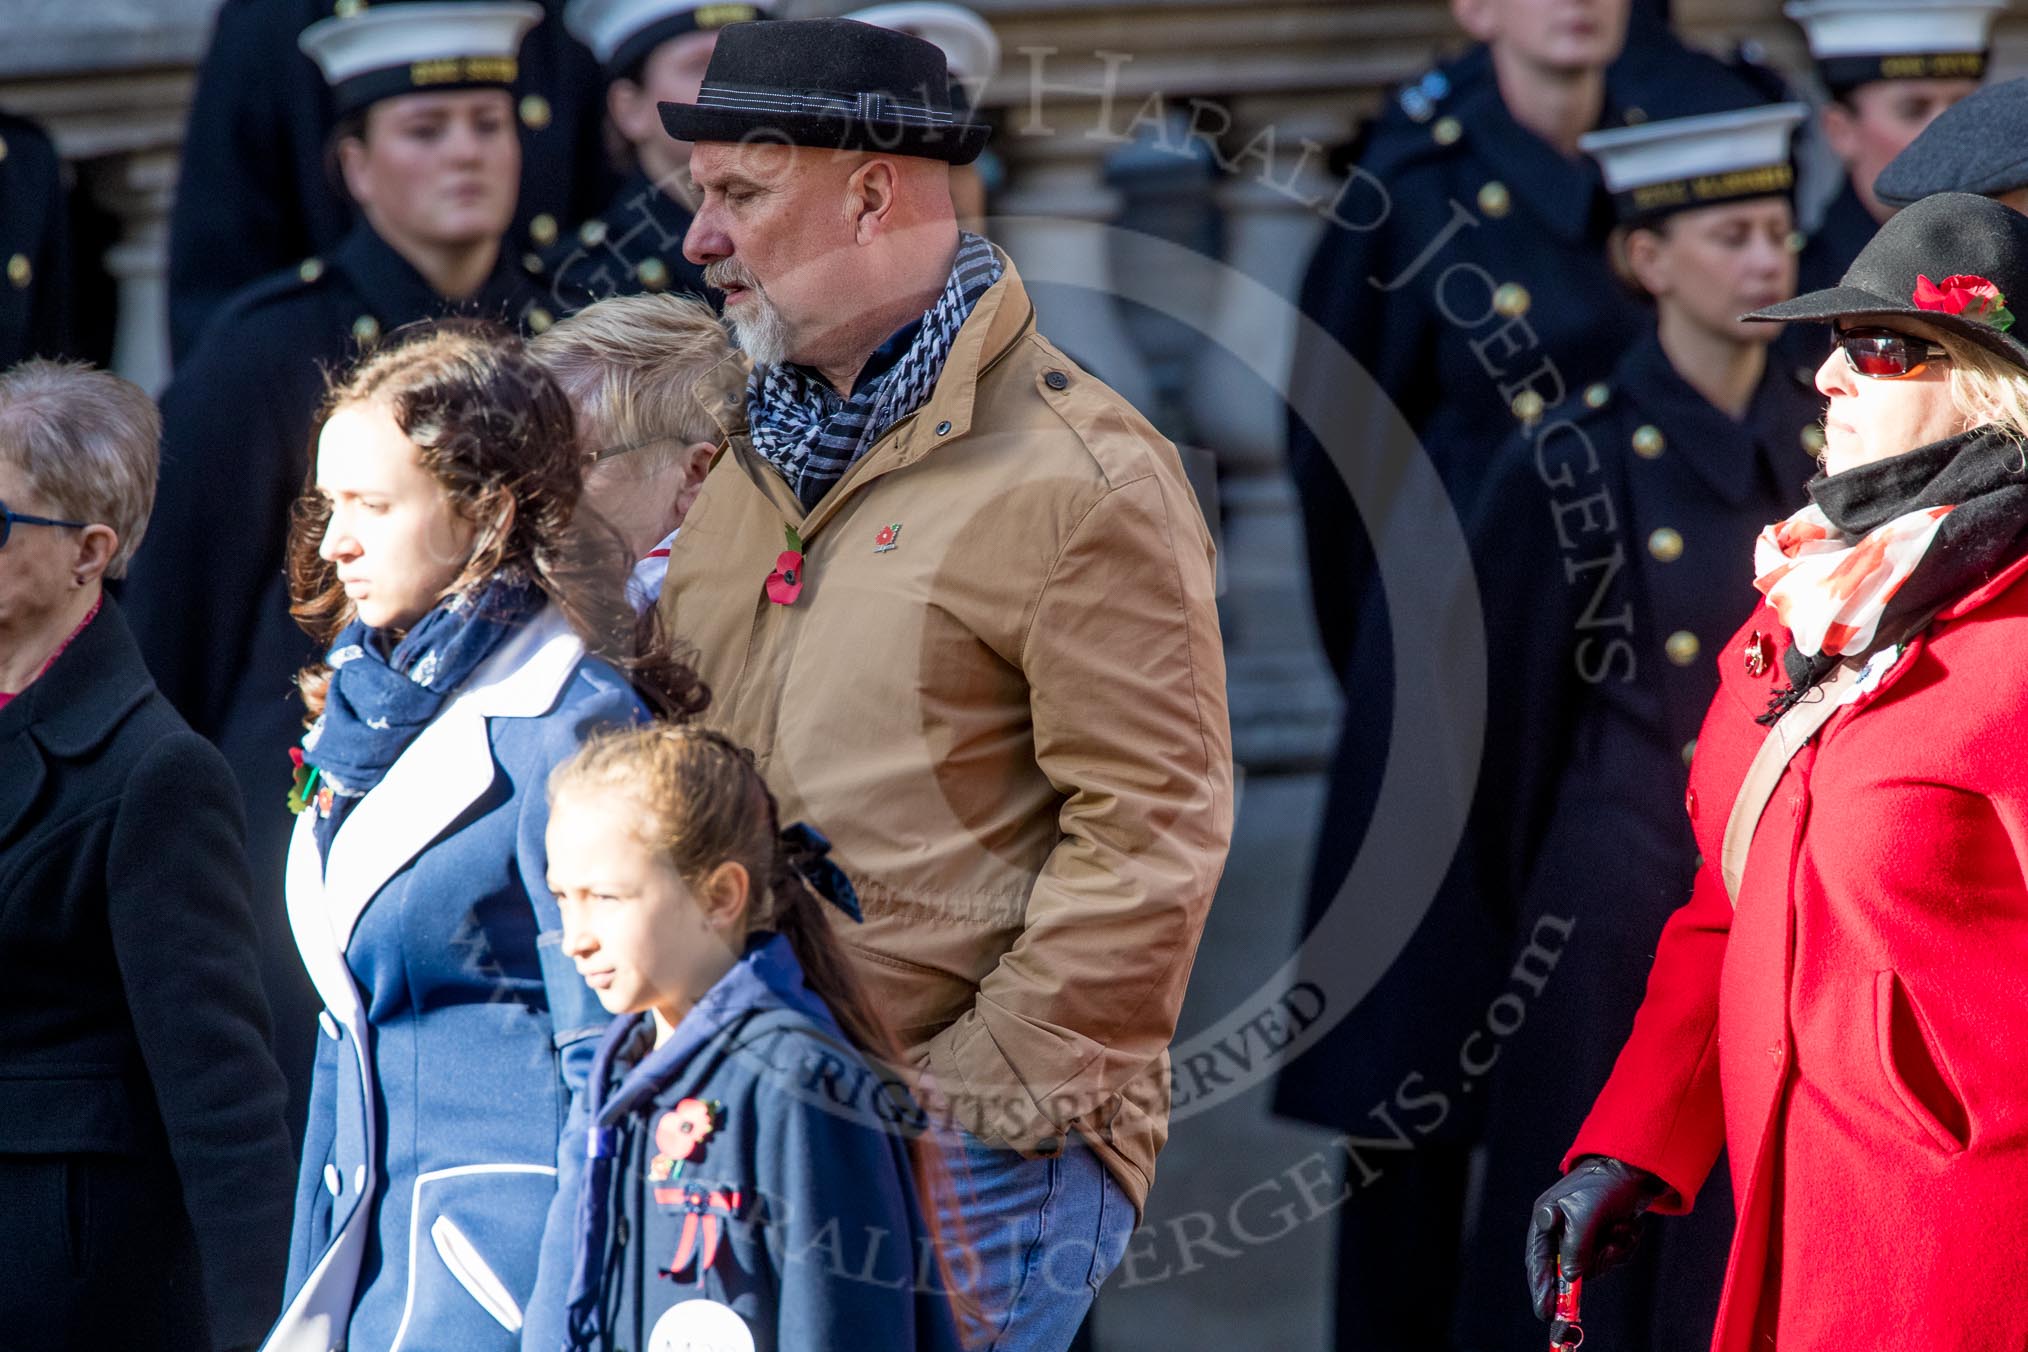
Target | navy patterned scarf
(380,698)
(813,434)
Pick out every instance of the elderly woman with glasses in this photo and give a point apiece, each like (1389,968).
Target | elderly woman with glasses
(1840,1004)
(144,1160)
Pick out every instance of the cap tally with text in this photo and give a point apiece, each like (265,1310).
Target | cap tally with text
(971,47)
(1856,42)
(621,33)
(419,46)
(1659,168)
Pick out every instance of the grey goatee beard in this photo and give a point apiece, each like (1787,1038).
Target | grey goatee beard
(757,326)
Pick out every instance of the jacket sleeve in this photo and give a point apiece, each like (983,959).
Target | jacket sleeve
(1660,1110)
(183,935)
(1127,697)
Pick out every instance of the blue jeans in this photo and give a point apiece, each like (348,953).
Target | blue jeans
(1032,1240)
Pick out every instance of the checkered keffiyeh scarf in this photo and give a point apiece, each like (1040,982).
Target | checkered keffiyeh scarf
(812,434)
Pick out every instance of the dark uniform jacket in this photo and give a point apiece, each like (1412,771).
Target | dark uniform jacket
(1612,563)
(208,590)
(34,246)
(804,1181)
(1847,228)
(257,190)
(144,1161)
(634,245)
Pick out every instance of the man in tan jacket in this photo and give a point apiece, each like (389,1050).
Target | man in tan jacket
(957,596)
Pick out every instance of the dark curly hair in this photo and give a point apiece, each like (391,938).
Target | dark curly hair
(491,426)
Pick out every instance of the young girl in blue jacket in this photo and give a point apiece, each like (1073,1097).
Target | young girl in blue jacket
(755,1177)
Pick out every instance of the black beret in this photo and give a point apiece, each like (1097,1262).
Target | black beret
(1978,145)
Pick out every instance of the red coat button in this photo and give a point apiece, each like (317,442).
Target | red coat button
(1690,803)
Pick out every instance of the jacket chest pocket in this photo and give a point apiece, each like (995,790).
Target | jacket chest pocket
(474,1239)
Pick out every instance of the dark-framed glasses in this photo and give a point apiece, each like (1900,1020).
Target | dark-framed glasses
(1884,354)
(9,519)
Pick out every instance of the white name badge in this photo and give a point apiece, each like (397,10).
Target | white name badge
(700,1326)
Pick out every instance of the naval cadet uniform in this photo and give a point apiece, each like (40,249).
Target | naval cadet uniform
(208,594)
(635,245)
(34,246)
(257,189)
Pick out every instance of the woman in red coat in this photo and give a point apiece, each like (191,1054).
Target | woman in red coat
(1843,1002)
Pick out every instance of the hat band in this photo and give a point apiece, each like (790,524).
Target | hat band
(1842,74)
(864,107)
(1653,200)
(437,75)
(702,19)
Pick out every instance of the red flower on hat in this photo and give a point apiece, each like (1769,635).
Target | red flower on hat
(1967,296)
(683,1128)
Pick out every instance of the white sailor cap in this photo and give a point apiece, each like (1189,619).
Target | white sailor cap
(1855,42)
(1682,163)
(971,47)
(621,33)
(375,52)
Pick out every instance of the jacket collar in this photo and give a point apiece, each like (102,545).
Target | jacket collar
(397,294)
(442,772)
(1003,316)
(87,692)
(1725,453)
(1567,195)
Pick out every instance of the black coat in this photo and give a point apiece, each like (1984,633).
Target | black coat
(141,1134)
(1608,586)
(634,245)
(1847,228)
(256,191)
(35,261)
(208,591)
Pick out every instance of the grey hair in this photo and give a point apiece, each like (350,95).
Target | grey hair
(89,444)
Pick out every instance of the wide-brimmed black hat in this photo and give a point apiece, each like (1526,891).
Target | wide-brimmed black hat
(1951,251)
(829,83)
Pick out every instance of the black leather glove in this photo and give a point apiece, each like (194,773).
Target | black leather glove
(1590,1219)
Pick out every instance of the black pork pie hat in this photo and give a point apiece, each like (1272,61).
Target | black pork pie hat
(834,84)
(1953,235)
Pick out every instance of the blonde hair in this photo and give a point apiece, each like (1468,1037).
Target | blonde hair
(89,443)
(643,371)
(1988,389)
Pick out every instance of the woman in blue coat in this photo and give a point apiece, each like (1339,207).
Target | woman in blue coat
(759,1175)
(474,638)
(1608,545)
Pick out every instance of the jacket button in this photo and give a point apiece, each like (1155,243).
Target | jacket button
(333,1184)
(620,1233)
(1049,1147)
(1056,380)
(1690,803)
(1681,647)
(328,1024)
(1648,441)
(1689,751)
(943,428)
(1666,545)
(1775,1051)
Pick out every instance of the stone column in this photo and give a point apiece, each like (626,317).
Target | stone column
(138,189)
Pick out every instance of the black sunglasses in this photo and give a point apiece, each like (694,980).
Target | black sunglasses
(1884,354)
(9,519)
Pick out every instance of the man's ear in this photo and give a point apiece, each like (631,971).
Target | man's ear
(695,460)
(870,196)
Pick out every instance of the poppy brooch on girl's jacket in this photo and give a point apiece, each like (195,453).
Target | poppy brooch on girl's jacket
(304,791)
(785,583)
(680,1133)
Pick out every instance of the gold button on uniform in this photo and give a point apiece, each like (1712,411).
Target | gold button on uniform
(20,271)
(1681,647)
(367,330)
(1446,131)
(1813,440)
(310,269)
(532,262)
(1512,300)
(535,112)
(1648,441)
(654,273)
(539,319)
(1527,406)
(542,229)
(3,147)
(1495,200)
(1666,545)
(1595,396)
(592,233)
(1689,751)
